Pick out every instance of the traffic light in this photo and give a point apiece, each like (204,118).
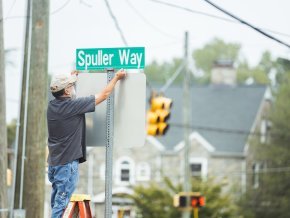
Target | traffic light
(158,115)
(195,200)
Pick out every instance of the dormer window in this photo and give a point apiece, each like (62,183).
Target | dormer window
(125,171)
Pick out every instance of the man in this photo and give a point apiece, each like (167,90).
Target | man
(66,135)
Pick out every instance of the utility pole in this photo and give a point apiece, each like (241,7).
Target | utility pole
(36,131)
(3,130)
(186,124)
(20,122)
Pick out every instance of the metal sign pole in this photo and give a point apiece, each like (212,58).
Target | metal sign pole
(109,148)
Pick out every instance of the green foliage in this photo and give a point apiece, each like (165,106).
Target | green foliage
(283,69)
(266,62)
(272,197)
(215,50)
(160,73)
(156,200)
(258,73)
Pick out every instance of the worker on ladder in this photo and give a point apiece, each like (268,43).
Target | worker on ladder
(66,135)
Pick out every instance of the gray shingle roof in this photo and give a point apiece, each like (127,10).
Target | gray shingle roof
(221,107)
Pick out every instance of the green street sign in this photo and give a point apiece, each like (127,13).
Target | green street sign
(102,58)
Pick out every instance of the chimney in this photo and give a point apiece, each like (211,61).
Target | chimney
(223,73)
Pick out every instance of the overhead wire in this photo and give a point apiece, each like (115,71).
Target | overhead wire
(122,35)
(213,16)
(223,130)
(148,22)
(52,13)
(10,9)
(60,8)
(178,71)
(85,4)
(116,22)
(248,24)
(222,173)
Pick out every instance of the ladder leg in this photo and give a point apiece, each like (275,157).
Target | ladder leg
(69,211)
(88,209)
(85,210)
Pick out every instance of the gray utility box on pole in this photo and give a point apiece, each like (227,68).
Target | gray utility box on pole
(129,109)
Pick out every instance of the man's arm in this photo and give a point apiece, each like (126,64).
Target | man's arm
(105,93)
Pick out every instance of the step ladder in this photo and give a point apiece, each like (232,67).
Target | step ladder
(79,206)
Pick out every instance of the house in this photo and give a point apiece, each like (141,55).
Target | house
(222,118)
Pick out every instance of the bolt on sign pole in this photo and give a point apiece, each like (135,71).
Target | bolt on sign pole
(109,148)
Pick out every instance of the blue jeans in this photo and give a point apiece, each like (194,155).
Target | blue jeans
(64,179)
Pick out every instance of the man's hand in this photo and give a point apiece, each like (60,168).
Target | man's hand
(74,72)
(121,74)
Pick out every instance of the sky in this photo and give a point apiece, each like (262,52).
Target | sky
(157,27)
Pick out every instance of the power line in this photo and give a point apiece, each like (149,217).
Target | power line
(222,130)
(116,22)
(247,24)
(10,9)
(213,16)
(122,35)
(85,4)
(149,23)
(52,13)
(246,172)
(61,7)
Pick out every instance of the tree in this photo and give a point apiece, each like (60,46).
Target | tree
(156,201)
(259,74)
(271,198)
(256,74)
(204,59)
(3,130)
(160,73)
(283,68)
(215,50)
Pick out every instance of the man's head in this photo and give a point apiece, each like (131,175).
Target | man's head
(62,85)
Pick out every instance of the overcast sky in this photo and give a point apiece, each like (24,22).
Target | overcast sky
(159,28)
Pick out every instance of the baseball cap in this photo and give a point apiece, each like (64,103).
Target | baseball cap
(61,81)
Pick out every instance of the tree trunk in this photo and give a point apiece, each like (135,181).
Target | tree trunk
(3,130)
(34,173)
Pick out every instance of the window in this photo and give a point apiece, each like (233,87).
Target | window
(143,172)
(124,171)
(198,166)
(263,131)
(256,170)
(195,169)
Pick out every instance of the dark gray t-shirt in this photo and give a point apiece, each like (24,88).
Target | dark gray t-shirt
(66,129)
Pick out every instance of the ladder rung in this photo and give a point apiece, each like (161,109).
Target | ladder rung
(80,197)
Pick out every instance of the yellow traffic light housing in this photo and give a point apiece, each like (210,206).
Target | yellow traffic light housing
(158,115)
(161,102)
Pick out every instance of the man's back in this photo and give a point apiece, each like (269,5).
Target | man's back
(66,123)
